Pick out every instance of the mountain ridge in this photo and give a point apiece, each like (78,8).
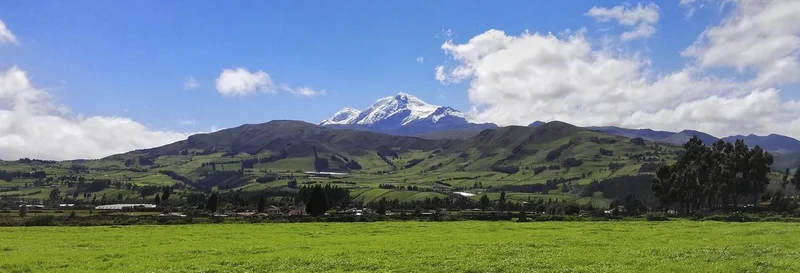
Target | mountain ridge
(402,114)
(407,115)
(772,142)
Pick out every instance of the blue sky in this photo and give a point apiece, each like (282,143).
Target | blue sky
(125,63)
(100,58)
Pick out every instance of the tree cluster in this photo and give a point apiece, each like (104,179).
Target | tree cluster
(719,176)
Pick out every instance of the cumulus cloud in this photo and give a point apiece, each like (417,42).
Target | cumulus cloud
(760,36)
(6,37)
(420,59)
(191,83)
(642,18)
(33,125)
(241,82)
(517,79)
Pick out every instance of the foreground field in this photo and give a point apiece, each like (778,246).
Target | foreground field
(679,246)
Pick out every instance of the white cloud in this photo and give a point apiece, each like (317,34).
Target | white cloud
(448,33)
(187,122)
(689,6)
(641,31)
(420,59)
(191,83)
(440,76)
(517,79)
(307,92)
(759,36)
(642,18)
(6,37)
(33,125)
(241,82)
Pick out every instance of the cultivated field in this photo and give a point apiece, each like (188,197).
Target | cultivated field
(677,246)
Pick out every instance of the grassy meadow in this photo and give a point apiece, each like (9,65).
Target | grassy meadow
(676,246)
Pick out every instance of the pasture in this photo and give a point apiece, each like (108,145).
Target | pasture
(629,246)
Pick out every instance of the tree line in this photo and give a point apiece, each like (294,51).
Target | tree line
(720,176)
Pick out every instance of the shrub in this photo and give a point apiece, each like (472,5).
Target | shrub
(163,220)
(740,217)
(522,217)
(656,216)
(413,162)
(505,169)
(572,208)
(353,165)
(571,162)
(435,217)
(606,152)
(552,155)
(549,217)
(42,220)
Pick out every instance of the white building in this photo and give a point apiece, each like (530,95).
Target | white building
(125,206)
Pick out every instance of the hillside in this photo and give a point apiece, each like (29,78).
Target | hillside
(777,144)
(555,160)
(772,142)
(786,161)
(297,138)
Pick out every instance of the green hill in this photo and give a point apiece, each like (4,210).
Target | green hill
(553,160)
(784,161)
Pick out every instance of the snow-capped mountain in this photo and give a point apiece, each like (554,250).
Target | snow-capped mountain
(402,114)
(347,115)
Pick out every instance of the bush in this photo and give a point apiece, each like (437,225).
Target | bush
(733,217)
(554,217)
(740,217)
(571,162)
(505,169)
(163,220)
(522,217)
(42,220)
(552,155)
(656,216)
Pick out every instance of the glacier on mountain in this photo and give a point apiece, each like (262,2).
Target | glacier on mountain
(398,110)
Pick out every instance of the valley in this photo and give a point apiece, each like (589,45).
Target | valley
(399,136)
(371,158)
(554,161)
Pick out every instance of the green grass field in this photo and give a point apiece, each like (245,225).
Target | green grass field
(677,246)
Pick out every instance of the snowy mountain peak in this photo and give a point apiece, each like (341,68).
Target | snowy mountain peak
(394,111)
(344,116)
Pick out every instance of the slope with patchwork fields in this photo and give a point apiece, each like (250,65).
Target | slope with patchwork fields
(554,161)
